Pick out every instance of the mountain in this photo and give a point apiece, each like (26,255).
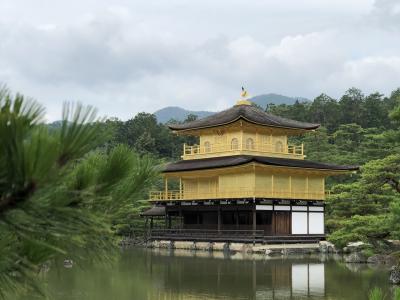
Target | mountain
(180,114)
(265,99)
(177,113)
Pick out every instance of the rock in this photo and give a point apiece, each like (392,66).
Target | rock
(217,246)
(356,257)
(382,259)
(395,275)
(355,247)
(395,243)
(184,245)
(377,259)
(204,246)
(236,247)
(327,247)
(166,244)
(68,263)
(154,244)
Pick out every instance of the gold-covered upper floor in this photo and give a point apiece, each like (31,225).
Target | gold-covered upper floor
(247,181)
(243,138)
(208,149)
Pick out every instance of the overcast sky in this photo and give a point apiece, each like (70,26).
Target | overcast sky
(130,56)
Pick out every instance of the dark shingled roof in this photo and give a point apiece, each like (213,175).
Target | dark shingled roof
(236,160)
(155,211)
(246,112)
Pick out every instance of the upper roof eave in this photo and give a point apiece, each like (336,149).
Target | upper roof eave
(237,119)
(237,160)
(247,113)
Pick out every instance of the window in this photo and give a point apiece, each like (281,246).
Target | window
(207,147)
(234,144)
(279,147)
(250,144)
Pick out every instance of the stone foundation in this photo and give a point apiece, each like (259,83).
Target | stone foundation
(245,248)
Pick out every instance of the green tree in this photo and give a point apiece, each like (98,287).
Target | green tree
(325,110)
(374,112)
(57,196)
(395,112)
(351,106)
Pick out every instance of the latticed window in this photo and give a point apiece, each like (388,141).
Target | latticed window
(279,146)
(207,147)
(250,143)
(234,144)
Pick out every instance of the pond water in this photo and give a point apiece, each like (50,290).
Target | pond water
(154,274)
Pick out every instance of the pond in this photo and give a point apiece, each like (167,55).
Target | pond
(162,274)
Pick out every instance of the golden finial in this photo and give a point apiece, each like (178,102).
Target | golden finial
(244,100)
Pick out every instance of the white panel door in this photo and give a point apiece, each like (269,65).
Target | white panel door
(299,223)
(316,223)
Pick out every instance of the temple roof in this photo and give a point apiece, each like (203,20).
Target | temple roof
(155,211)
(246,112)
(236,160)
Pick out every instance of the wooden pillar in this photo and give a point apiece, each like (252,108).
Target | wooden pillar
(180,188)
(169,222)
(272,185)
(254,223)
(254,218)
(237,219)
(146,228)
(306,195)
(166,187)
(219,217)
(180,217)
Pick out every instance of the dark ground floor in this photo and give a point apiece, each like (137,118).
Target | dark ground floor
(242,219)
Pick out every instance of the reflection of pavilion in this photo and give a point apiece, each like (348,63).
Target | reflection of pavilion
(240,279)
(296,280)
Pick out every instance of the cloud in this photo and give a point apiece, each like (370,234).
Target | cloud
(125,59)
(386,13)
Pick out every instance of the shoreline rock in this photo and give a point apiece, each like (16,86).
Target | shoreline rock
(355,257)
(394,277)
(382,259)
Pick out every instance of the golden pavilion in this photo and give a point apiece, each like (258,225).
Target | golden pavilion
(243,181)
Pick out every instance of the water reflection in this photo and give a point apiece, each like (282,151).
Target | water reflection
(259,278)
(143,274)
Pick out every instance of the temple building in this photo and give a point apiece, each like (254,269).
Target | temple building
(243,181)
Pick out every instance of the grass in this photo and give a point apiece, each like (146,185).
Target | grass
(376,294)
(396,294)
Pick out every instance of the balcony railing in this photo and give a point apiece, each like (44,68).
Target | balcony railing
(202,151)
(241,193)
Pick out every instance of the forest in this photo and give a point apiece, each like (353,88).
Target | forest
(71,188)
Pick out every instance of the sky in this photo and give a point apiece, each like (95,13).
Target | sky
(129,56)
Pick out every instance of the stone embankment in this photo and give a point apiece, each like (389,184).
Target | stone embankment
(243,247)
